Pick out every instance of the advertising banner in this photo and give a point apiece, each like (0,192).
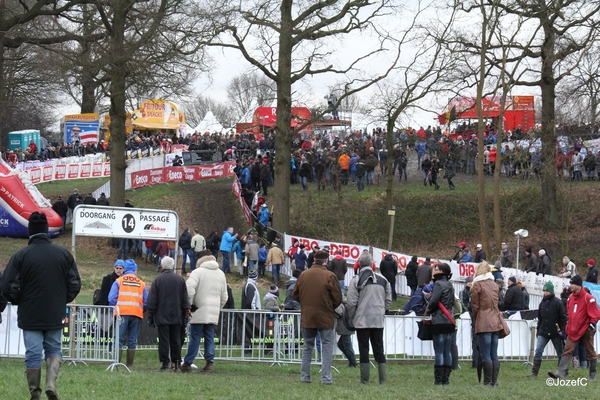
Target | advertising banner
(81,127)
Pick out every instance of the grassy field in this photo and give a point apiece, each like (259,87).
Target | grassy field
(243,380)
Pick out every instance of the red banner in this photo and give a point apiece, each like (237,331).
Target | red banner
(35,174)
(73,171)
(47,173)
(61,172)
(86,171)
(181,174)
(97,170)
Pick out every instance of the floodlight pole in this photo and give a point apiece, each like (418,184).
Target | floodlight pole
(518,242)
(392,214)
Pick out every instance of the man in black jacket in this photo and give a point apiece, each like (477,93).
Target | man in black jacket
(551,313)
(389,269)
(480,254)
(592,275)
(61,209)
(513,299)
(411,274)
(185,244)
(41,279)
(168,303)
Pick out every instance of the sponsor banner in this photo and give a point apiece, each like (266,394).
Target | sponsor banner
(106,171)
(237,188)
(73,171)
(125,222)
(85,171)
(81,128)
(97,170)
(35,175)
(181,174)
(47,173)
(174,174)
(60,172)
(26,166)
(350,252)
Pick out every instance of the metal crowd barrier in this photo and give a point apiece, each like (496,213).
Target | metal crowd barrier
(90,335)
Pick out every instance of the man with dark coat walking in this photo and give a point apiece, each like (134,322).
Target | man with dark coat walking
(61,208)
(389,269)
(41,279)
(167,305)
(411,274)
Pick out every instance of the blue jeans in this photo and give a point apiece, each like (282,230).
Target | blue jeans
(542,341)
(225,255)
(488,345)
(186,253)
(360,183)
(251,265)
(38,341)
(345,346)
(197,331)
(275,272)
(342,286)
(123,249)
(441,347)
(130,326)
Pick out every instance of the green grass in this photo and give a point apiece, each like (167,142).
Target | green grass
(244,380)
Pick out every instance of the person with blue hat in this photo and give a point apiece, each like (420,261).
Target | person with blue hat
(130,295)
(108,281)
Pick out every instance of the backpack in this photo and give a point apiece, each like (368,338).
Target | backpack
(96,298)
(346,321)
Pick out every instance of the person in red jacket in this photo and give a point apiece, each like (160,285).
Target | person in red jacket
(582,314)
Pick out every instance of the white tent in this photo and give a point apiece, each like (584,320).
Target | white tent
(209,123)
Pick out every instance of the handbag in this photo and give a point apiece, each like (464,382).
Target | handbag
(505,331)
(425,330)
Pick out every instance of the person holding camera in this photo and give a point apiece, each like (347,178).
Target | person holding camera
(583,314)
(207,293)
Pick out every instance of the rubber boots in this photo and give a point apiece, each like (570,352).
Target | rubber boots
(34,375)
(488,369)
(438,373)
(563,368)
(52,367)
(382,372)
(130,357)
(593,365)
(535,369)
(364,373)
(495,371)
(446,377)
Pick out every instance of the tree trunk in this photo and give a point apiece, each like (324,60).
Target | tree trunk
(283,141)
(548,136)
(3,132)
(117,108)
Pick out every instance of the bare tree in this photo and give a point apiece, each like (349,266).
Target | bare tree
(196,111)
(288,41)
(248,91)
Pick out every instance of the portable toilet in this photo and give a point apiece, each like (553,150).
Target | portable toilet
(23,138)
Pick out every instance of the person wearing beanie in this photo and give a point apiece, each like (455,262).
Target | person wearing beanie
(443,323)
(250,295)
(42,294)
(167,304)
(108,280)
(462,247)
(131,298)
(584,314)
(369,296)
(271,299)
(317,291)
(484,309)
(208,294)
(339,266)
(592,274)
(551,313)
(531,261)
(513,298)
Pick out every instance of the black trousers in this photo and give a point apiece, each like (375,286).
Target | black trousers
(169,343)
(375,336)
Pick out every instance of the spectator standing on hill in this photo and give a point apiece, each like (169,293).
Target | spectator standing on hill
(411,274)
(545,266)
(197,245)
(339,266)
(583,315)
(552,320)
(250,294)
(531,261)
(569,269)
(185,244)
(208,293)
(479,254)
(317,292)
(369,295)
(275,259)
(300,258)
(592,274)
(102,200)
(61,209)
(389,269)
(226,245)
(252,249)
(213,241)
(167,305)
(89,200)
(41,279)
(424,273)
